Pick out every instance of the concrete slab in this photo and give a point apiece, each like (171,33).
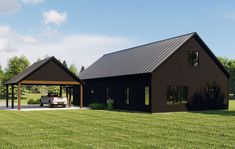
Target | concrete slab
(38,108)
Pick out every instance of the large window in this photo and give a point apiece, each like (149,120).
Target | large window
(193,58)
(146,95)
(177,95)
(127,95)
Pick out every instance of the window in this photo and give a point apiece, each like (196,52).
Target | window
(193,58)
(177,95)
(146,95)
(107,93)
(92,91)
(127,95)
(211,93)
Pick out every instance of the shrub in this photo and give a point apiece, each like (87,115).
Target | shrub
(37,101)
(31,101)
(97,106)
(109,104)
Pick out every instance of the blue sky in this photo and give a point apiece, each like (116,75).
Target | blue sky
(81,31)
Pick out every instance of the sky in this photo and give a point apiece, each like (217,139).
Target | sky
(81,31)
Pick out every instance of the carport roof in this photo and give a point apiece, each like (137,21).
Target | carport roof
(36,66)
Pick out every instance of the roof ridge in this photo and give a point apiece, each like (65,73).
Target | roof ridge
(193,33)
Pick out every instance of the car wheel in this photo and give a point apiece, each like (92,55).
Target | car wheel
(64,106)
(50,105)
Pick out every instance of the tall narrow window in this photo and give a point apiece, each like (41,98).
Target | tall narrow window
(146,95)
(193,58)
(107,93)
(127,95)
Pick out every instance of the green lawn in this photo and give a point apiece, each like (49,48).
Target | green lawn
(113,129)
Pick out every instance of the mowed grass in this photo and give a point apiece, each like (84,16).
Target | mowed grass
(114,129)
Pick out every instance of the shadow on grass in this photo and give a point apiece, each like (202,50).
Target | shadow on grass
(217,112)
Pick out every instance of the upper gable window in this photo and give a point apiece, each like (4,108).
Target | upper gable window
(193,58)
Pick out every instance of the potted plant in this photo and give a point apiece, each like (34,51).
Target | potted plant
(109,104)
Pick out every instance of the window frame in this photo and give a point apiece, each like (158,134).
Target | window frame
(193,62)
(175,95)
(108,93)
(148,96)
(127,95)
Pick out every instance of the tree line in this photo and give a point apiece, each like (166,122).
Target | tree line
(17,64)
(229,65)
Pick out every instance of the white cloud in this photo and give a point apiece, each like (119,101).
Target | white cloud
(82,50)
(33,2)
(49,32)
(4,30)
(54,17)
(9,7)
(5,39)
(28,39)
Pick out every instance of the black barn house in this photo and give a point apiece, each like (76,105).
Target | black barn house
(176,74)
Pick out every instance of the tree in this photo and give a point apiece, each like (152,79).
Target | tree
(16,65)
(229,65)
(73,68)
(82,69)
(46,56)
(65,64)
(1,82)
(39,59)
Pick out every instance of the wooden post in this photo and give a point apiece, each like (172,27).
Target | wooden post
(60,90)
(19,96)
(12,96)
(7,96)
(81,96)
(69,96)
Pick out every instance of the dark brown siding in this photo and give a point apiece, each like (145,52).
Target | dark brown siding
(50,72)
(116,85)
(176,71)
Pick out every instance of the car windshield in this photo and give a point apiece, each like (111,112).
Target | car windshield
(52,95)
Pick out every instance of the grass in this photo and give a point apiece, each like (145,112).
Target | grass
(113,129)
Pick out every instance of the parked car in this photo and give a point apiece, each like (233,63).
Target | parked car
(52,100)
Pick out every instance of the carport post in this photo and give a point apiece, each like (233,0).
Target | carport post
(12,96)
(19,95)
(60,90)
(81,96)
(70,96)
(67,92)
(7,96)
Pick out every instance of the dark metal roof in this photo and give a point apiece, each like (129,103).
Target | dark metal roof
(138,60)
(35,66)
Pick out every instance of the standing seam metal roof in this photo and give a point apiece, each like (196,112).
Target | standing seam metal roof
(137,60)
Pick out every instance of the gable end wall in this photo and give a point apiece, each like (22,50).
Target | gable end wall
(177,72)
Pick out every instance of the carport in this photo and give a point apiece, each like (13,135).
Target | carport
(49,71)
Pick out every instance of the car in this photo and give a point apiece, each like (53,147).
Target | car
(52,99)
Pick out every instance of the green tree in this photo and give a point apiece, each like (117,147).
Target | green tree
(73,68)
(229,65)
(16,65)
(82,69)
(65,64)
(1,82)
